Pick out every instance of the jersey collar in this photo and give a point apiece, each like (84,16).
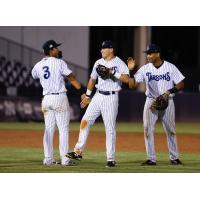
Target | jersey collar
(157,67)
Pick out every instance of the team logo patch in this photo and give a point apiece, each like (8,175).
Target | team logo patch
(115,68)
(151,77)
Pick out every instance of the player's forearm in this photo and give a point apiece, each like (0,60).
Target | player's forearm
(122,77)
(180,86)
(126,79)
(132,84)
(90,87)
(76,84)
(74,81)
(91,83)
(176,88)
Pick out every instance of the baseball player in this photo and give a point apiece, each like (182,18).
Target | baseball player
(51,71)
(104,102)
(162,80)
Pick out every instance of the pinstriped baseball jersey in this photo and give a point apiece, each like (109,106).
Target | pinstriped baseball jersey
(114,64)
(158,80)
(105,104)
(50,71)
(55,106)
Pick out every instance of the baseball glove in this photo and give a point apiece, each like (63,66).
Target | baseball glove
(103,72)
(161,102)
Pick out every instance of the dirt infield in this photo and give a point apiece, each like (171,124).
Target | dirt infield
(125,141)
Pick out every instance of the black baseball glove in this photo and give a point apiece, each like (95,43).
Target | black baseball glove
(103,72)
(161,102)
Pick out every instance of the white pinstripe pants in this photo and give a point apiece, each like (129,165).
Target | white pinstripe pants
(167,118)
(56,112)
(107,106)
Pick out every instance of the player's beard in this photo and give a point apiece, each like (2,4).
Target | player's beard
(149,60)
(60,54)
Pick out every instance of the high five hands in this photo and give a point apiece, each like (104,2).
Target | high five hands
(85,100)
(131,63)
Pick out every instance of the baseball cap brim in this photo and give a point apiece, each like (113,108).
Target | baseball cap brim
(151,51)
(57,45)
(152,48)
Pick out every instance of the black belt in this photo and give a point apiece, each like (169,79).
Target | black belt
(54,93)
(106,92)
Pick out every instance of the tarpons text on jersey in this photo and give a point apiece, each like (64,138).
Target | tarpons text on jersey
(151,77)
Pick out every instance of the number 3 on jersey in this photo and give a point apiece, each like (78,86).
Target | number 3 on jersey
(46,72)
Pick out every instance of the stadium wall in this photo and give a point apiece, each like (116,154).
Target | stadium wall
(74,39)
(130,107)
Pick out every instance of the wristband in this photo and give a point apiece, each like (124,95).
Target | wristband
(173,90)
(131,73)
(117,75)
(88,93)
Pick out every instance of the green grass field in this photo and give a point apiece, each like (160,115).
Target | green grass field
(28,160)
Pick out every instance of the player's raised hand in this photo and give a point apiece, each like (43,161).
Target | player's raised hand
(131,63)
(83,96)
(85,101)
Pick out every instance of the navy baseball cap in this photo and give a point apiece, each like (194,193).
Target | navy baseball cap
(107,44)
(152,48)
(50,44)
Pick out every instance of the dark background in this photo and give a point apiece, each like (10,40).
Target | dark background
(179,45)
